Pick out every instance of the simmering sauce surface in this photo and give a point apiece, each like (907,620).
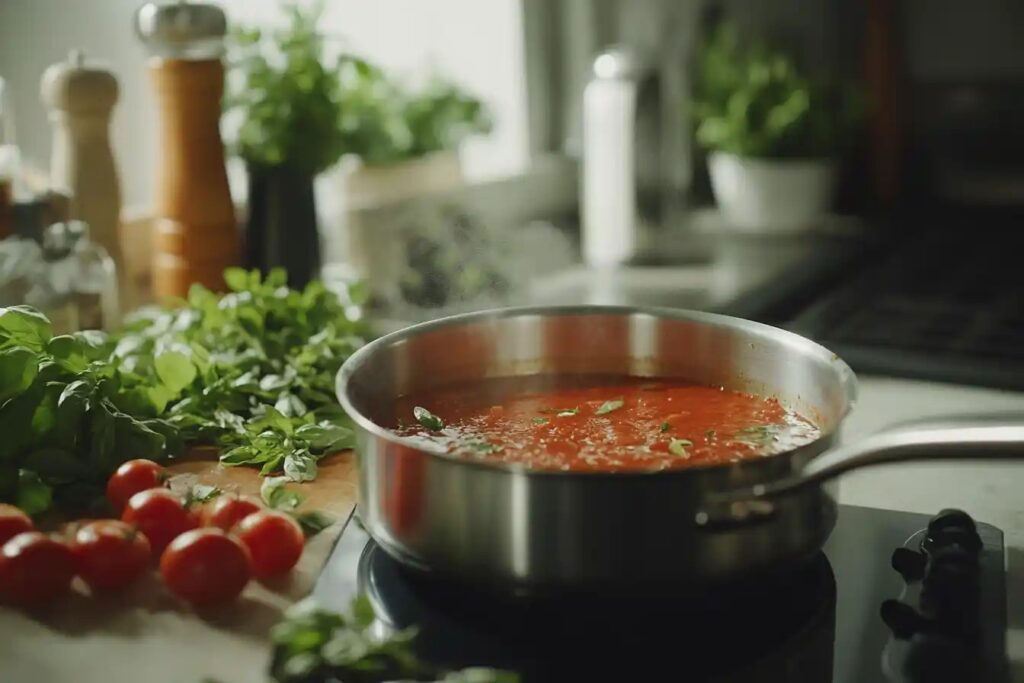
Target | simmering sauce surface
(620,425)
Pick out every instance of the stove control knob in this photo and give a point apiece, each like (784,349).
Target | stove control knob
(950,591)
(937,659)
(909,563)
(950,537)
(951,517)
(902,619)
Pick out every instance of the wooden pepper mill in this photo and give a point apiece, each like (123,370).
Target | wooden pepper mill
(80,100)
(196,235)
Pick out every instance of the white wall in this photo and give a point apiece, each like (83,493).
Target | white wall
(477,43)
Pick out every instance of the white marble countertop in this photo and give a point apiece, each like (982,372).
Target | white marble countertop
(990,492)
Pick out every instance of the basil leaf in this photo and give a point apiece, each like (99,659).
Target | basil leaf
(540,420)
(567,412)
(609,406)
(24,326)
(33,495)
(15,415)
(237,279)
(326,437)
(677,447)
(277,497)
(300,466)
(175,370)
(202,493)
(272,419)
(18,369)
(69,353)
(665,426)
(428,419)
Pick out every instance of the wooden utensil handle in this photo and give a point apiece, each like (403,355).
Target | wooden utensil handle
(197,235)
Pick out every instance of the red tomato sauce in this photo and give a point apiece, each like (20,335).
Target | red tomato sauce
(621,425)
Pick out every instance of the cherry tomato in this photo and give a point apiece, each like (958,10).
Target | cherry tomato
(12,522)
(34,569)
(274,540)
(228,510)
(131,478)
(160,515)
(109,554)
(206,567)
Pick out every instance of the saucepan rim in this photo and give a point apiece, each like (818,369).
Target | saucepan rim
(847,379)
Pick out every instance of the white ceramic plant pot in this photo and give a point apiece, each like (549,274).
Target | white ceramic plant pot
(771,195)
(368,192)
(369,187)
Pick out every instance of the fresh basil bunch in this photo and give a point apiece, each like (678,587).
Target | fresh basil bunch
(250,372)
(69,417)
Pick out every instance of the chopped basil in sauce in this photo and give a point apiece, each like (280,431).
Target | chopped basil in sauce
(551,424)
(678,447)
(428,419)
(609,406)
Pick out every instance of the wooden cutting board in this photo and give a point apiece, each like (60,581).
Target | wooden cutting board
(332,492)
(148,635)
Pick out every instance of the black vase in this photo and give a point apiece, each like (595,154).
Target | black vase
(282,229)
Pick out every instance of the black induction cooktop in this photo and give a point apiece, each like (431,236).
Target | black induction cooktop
(894,597)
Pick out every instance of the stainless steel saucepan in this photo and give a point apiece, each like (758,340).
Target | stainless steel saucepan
(521,528)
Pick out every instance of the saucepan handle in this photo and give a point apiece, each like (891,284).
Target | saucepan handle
(969,438)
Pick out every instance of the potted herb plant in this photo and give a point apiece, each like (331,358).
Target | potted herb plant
(302,111)
(401,143)
(773,134)
(289,96)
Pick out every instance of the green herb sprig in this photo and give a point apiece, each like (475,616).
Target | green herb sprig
(314,644)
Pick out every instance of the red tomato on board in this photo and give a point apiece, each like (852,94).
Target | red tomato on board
(275,542)
(109,554)
(34,569)
(160,515)
(228,510)
(133,477)
(206,567)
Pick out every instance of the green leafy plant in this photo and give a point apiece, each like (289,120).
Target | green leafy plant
(305,108)
(250,372)
(288,93)
(313,644)
(253,370)
(755,102)
(67,415)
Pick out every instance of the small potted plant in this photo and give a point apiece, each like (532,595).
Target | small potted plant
(772,133)
(402,141)
(288,94)
(304,107)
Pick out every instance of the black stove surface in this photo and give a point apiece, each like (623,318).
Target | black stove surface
(822,623)
(943,305)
